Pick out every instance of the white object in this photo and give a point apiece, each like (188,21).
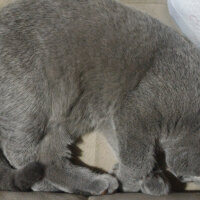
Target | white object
(186,14)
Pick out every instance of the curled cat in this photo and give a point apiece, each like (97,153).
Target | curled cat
(69,67)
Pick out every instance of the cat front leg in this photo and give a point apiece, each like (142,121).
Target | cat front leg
(155,183)
(55,154)
(136,145)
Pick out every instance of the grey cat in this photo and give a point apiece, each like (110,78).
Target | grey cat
(69,67)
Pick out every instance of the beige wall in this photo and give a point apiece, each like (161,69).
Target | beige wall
(96,151)
(5,2)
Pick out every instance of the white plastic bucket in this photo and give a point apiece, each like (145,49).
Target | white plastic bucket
(186,14)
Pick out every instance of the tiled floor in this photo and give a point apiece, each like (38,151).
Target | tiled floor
(129,196)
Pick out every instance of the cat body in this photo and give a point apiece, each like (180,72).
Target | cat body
(69,67)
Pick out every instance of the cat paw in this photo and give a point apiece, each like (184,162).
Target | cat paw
(127,183)
(104,184)
(155,184)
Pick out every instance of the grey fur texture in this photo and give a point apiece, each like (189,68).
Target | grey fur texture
(19,179)
(69,67)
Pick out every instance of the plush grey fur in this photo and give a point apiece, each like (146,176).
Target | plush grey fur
(19,179)
(69,67)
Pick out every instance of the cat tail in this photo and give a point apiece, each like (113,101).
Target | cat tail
(19,179)
(26,177)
